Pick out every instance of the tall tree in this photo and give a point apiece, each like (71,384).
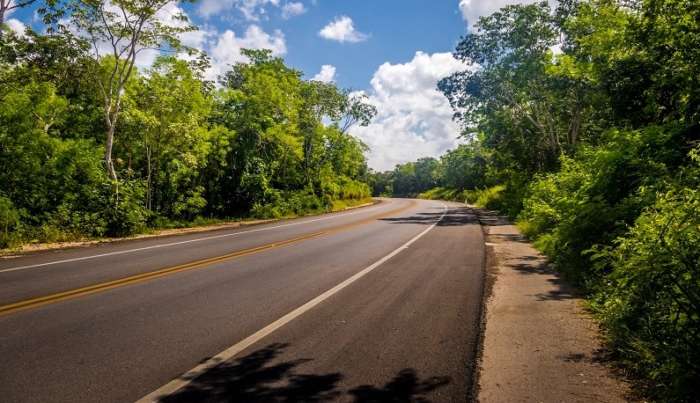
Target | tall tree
(8,5)
(119,30)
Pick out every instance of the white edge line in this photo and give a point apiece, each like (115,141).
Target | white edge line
(121,252)
(182,381)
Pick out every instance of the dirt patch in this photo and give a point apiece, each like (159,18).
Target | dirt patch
(539,344)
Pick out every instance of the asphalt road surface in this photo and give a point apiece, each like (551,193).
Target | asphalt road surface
(375,304)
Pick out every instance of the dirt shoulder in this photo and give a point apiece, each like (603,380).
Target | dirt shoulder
(539,343)
(163,233)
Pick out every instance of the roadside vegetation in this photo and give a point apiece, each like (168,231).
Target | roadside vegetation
(92,144)
(582,122)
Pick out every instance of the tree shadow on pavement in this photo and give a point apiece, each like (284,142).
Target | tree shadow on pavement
(453,217)
(405,387)
(492,218)
(259,377)
(254,378)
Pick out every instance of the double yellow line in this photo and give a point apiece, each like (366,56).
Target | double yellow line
(198,264)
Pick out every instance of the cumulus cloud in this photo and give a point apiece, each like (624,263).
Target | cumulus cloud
(342,29)
(227,47)
(473,9)
(169,15)
(224,48)
(293,9)
(16,26)
(326,75)
(252,10)
(414,119)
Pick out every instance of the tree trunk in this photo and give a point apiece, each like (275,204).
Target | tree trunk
(3,8)
(149,202)
(108,152)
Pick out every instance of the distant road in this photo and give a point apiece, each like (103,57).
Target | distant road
(375,304)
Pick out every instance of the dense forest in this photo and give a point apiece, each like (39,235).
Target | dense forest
(582,122)
(93,145)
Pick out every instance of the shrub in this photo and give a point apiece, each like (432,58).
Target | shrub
(441,193)
(650,303)
(594,197)
(491,198)
(124,211)
(9,222)
(291,203)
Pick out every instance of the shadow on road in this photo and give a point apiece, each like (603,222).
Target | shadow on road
(405,387)
(453,217)
(259,377)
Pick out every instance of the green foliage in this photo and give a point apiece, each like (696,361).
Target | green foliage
(442,193)
(409,179)
(650,302)
(491,198)
(9,221)
(182,149)
(124,212)
(589,142)
(288,204)
(595,196)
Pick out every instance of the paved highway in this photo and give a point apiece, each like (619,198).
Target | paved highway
(375,304)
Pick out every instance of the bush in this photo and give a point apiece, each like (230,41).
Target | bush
(291,203)
(124,212)
(441,193)
(623,219)
(9,222)
(491,198)
(595,197)
(650,303)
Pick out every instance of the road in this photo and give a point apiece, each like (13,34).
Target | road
(380,303)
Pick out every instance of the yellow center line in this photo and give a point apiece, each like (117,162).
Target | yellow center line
(138,278)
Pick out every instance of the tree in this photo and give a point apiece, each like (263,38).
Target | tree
(464,167)
(165,121)
(356,110)
(326,101)
(528,114)
(8,5)
(118,31)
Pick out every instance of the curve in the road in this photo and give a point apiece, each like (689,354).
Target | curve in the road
(237,348)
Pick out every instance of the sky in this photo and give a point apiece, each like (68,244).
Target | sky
(394,51)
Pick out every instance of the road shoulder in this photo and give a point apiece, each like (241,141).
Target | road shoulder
(539,344)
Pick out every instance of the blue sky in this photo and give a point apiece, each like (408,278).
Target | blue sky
(396,29)
(394,51)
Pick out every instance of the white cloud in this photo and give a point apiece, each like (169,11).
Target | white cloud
(227,48)
(224,48)
(207,8)
(169,15)
(342,29)
(414,119)
(326,75)
(16,26)
(293,9)
(252,10)
(473,9)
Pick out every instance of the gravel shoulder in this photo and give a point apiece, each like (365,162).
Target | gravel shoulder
(539,343)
